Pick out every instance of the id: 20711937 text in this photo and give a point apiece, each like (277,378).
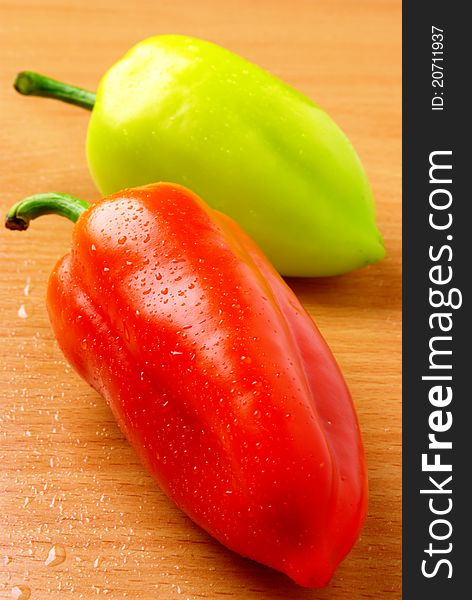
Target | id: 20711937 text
(437,67)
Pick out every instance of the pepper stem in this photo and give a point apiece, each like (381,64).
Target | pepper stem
(34,84)
(20,215)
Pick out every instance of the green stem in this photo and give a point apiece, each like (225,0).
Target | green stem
(35,206)
(34,84)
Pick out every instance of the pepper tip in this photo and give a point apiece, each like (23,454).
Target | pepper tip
(15,223)
(23,83)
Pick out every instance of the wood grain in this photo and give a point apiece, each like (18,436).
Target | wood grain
(68,477)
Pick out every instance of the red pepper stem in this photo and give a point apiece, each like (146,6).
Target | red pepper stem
(20,215)
(34,84)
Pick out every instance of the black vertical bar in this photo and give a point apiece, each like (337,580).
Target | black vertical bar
(435,120)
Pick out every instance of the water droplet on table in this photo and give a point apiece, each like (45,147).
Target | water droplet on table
(21,592)
(56,556)
(22,312)
(26,289)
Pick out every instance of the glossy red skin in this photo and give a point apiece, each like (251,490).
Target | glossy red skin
(216,375)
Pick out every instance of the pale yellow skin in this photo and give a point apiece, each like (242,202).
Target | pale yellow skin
(186,111)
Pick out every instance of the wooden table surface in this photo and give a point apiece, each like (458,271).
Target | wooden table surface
(69,481)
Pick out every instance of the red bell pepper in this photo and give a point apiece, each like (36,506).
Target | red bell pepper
(214,371)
